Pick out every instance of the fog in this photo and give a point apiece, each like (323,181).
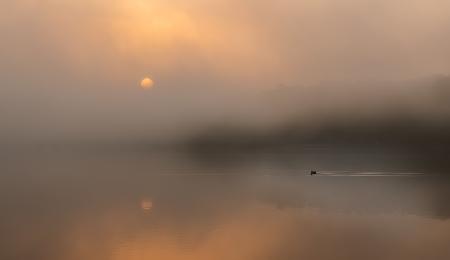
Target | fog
(87,207)
(283,129)
(70,70)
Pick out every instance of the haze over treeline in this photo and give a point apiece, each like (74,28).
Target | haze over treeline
(265,71)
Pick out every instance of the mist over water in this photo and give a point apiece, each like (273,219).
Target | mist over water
(140,206)
(188,129)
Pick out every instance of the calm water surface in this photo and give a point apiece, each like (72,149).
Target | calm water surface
(151,206)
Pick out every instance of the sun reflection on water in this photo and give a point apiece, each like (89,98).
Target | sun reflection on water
(146,205)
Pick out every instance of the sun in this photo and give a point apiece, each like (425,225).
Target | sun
(147,83)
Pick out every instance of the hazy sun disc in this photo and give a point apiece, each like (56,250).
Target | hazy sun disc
(147,83)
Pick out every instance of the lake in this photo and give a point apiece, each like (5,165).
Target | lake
(158,205)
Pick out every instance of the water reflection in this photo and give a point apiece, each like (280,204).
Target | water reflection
(146,205)
(78,208)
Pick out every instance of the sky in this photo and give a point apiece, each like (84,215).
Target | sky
(71,69)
